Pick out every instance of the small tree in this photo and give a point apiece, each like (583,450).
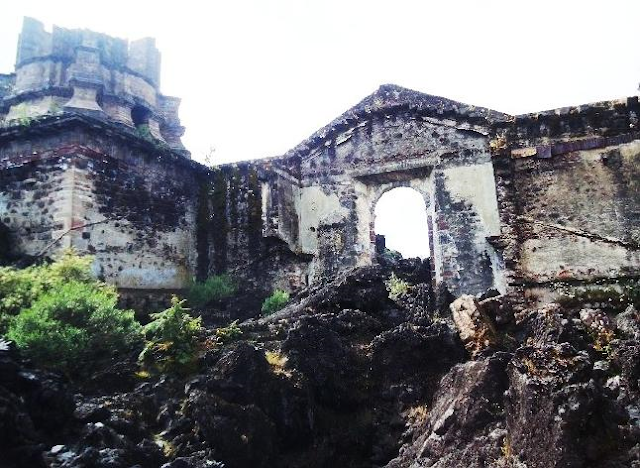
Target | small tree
(172,339)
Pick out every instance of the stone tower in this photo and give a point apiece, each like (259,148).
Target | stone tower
(91,158)
(82,71)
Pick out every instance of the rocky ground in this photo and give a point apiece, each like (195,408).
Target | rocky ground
(345,376)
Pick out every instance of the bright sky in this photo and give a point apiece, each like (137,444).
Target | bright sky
(258,76)
(407,233)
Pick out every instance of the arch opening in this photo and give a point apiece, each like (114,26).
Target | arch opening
(140,116)
(401,223)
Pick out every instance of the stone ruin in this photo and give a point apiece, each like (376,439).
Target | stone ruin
(94,74)
(90,157)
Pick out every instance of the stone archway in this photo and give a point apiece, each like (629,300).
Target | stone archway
(371,189)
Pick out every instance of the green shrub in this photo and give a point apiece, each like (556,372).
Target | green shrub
(20,288)
(172,340)
(73,325)
(397,287)
(229,333)
(213,289)
(275,302)
(69,266)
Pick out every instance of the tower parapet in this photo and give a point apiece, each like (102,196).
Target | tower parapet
(78,70)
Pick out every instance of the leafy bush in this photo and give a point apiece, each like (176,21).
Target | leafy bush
(396,287)
(213,289)
(275,302)
(173,339)
(229,333)
(74,324)
(19,289)
(69,266)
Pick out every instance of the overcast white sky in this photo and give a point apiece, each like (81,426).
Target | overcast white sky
(258,76)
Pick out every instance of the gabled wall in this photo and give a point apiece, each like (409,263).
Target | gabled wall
(431,144)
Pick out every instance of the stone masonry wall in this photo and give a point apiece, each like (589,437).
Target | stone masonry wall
(152,219)
(569,195)
(35,200)
(446,158)
(82,183)
(512,202)
(245,235)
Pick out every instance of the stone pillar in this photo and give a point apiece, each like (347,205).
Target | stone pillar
(154,129)
(84,99)
(85,77)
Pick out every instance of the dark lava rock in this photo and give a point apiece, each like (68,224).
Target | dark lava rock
(36,409)
(344,376)
(402,360)
(240,435)
(628,323)
(243,376)
(464,425)
(202,459)
(557,414)
(333,369)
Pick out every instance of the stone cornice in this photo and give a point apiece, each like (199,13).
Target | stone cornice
(55,124)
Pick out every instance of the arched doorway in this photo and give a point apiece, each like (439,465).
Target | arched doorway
(401,223)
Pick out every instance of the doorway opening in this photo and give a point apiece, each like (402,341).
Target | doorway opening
(401,223)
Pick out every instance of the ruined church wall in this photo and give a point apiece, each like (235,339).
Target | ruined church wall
(569,195)
(579,214)
(146,234)
(247,228)
(35,200)
(151,219)
(447,161)
(130,205)
(465,223)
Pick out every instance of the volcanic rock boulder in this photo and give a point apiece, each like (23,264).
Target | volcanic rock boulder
(335,372)
(475,327)
(464,425)
(240,435)
(558,415)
